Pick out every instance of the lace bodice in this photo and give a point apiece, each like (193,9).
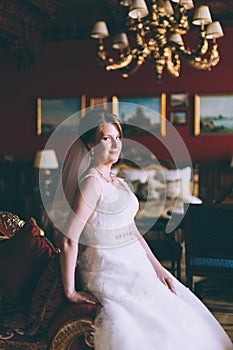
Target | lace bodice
(112,222)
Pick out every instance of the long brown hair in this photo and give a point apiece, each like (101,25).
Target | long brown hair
(78,157)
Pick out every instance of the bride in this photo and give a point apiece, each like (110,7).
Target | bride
(143,305)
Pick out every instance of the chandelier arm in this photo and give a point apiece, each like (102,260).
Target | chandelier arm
(214,55)
(108,62)
(101,53)
(129,70)
(173,63)
(202,46)
(158,59)
(181,25)
(206,64)
(138,58)
(123,62)
(187,53)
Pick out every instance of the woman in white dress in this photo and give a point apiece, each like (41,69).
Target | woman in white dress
(143,305)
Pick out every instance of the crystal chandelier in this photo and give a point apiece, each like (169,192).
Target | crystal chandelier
(157,27)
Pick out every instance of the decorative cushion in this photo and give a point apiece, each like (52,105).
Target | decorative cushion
(142,191)
(182,175)
(23,258)
(156,188)
(173,189)
(47,298)
(195,200)
(185,175)
(137,174)
(160,183)
(134,185)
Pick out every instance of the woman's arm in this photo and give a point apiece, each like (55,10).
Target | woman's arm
(159,269)
(84,205)
(68,259)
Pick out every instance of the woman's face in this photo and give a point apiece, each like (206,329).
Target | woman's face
(108,147)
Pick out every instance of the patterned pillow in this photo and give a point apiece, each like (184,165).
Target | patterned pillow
(183,187)
(141,175)
(47,298)
(23,259)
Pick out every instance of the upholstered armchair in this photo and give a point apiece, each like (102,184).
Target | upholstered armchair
(209,242)
(34,313)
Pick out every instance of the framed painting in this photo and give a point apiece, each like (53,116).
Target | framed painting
(213,114)
(52,111)
(178,117)
(141,115)
(179,99)
(96,102)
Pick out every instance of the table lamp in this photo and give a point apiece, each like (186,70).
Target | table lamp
(45,161)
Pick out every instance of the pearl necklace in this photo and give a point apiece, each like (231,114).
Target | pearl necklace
(109,179)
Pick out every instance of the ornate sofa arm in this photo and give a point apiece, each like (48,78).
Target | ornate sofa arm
(62,322)
(9,224)
(73,324)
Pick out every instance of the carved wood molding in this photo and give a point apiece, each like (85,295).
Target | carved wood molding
(71,331)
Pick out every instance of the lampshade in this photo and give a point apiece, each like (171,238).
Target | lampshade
(231,163)
(46,159)
(120,41)
(176,38)
(188,4)
(202,15)
(100,30)
(137,9)
(214,30)
(168,7)
(125,2)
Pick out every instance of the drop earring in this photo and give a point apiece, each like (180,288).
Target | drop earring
(92,154)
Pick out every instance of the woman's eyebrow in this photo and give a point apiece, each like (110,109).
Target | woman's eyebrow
(104,135)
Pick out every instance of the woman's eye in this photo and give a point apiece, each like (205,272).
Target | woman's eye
(107,138)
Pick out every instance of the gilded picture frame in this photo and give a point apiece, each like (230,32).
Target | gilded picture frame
(213,114)
(99,102)
(179,99)
(178,117)
(52,111)
(152,118)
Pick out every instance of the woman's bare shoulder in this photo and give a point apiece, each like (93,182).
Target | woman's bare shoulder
(91,179)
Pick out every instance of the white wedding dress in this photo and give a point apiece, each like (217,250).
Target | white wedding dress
(138,311)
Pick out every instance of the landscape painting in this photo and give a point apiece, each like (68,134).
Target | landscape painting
(213,115)
(141,115)
(52,111)
(178,117)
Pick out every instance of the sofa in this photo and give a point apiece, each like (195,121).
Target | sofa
(34,313)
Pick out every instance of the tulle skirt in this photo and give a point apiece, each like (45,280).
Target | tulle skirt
(139,311)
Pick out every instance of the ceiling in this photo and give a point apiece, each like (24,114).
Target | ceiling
(23,23)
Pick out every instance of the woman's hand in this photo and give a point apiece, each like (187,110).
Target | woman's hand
(166,279)
(81,297)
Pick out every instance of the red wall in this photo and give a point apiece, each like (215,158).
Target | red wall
(70,69)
